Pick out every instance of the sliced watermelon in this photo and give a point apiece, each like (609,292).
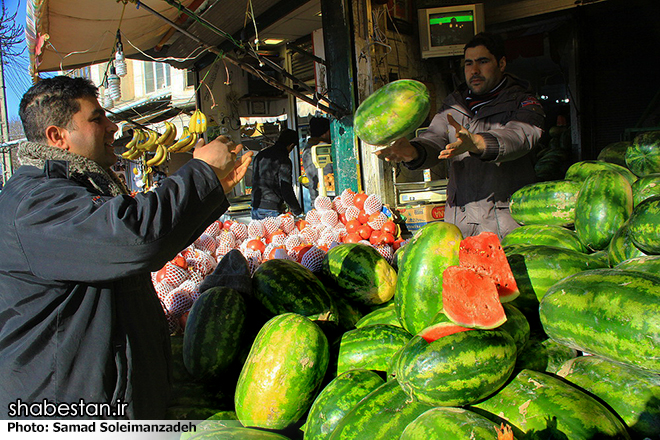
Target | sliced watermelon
(485,255)
(440,330)
(470,299)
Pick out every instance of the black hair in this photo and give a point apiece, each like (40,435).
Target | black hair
(318,126)
(52,101)
(288,137)
(492,42)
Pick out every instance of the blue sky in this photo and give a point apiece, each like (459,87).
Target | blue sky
(17,77)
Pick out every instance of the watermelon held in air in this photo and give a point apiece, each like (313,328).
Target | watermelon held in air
(643,156)
(392,112)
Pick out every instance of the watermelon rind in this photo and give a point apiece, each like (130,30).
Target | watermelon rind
(370,347)
(545,203)
(549,235)
(383,315)
(450,423)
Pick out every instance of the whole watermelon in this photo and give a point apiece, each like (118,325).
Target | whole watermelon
(645,225)
(392,112)
(645,187)
(643,156)
(545,203)
(579,171)
(615,153)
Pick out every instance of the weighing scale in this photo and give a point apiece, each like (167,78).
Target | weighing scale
(434,191)
(321,156)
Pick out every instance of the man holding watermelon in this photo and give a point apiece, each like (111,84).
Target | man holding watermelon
(485,129)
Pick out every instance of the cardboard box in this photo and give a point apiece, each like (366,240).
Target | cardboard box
(417,216)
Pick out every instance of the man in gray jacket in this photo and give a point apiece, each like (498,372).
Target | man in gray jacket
(485,129)
(82,332)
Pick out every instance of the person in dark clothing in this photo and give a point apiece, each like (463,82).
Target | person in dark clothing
(272,185)
(319,133)
(485,130)
(81,326)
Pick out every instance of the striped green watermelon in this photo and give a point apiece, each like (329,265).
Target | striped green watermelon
(645,187)
(214,332)
(645,225)
(286,286)
(537,268)
(545,203)
(470,299)
(516,325)
(603,205)
(615,153)
(382,415)
(361,273)
(542,406)
(579,171)
(370,347)
(544,355)
(621,246)
(632,393)
(549,235)
(648,263)
(337,399)
(392,112)
(217,421)
(643,156)
(237,433)
(451,423)
(282,373)
(383,315)
(609,312)
(458,369)
(418,296)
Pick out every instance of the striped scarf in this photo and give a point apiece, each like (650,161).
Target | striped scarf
(475,102)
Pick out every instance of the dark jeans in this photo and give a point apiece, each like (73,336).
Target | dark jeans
(260,213)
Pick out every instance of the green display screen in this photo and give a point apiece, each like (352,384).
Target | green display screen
(450,19)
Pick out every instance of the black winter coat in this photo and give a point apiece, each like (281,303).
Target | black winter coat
(79,318)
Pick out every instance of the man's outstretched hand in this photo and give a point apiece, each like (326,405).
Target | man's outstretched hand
(221,154)
(465,141)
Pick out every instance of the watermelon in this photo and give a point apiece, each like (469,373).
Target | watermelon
(648,263)
(286,286)
(483,253)
(418,296)
(213,332)
(545,203)
(237,433)
(549,235)
(615,153)
(608,312)
(360,273)
(621,246)
(337,399)
(216,421)
(470,299)
(579,171)
(645,225)
(383,315)
(392,112)
(458,369)
(450,423)
(544,355)
(381,415)
(645,187)
(604,204)
(537,268)
(516,325)
(632,393)
(282,373)
(542,406)
(370,347)
(643,156)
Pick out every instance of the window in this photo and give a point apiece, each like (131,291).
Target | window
(156,76)
(190,78)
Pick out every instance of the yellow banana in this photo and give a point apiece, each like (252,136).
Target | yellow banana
(172,137)
(136,154)
(134,139)
(161,152)
(183,140)
(201,122)
(150,143)
(166,134)
(192,124)
(189,146)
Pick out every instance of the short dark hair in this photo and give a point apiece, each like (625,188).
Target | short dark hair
(52,101)
(318,126)
(494,43)
(288,137)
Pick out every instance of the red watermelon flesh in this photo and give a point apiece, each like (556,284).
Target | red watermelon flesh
(485,255)
(437,331)
(470,299)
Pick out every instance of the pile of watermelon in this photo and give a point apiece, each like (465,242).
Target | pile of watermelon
(551,333)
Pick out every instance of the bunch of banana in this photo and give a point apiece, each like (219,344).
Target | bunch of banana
(149,141)
(197,122)
(163,142)
(132,152)
(185,143)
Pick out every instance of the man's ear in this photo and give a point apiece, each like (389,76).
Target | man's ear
(502,63)
(56,137)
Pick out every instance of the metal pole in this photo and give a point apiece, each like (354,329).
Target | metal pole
(271,81)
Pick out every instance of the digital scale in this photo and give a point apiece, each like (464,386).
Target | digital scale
(321,156)
(415,193)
